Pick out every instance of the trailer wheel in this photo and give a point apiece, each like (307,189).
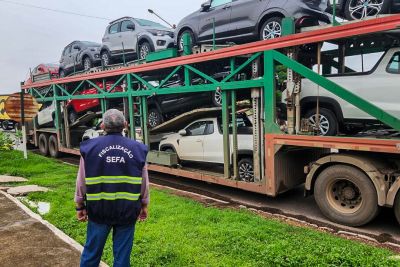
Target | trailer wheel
(346,195)
(53,146)
(43,145)
(246,170)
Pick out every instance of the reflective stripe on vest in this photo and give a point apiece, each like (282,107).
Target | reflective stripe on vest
(113,180)
(112,196)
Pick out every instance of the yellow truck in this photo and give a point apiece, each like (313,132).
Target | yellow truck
(5,122)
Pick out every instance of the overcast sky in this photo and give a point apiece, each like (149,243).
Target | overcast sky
(31,36)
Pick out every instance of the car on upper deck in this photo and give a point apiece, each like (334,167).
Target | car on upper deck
(79,55)
(44,71)
(242,21)
(133,38)
(360,9)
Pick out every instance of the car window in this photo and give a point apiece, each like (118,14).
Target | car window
(394,64)
(210,128)
(125,24)
(67,50)
(113,28)
(149,23)
(215,3)
(197,128)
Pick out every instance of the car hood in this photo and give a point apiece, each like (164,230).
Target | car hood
(158,28)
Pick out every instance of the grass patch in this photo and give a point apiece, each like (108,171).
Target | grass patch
(182,232)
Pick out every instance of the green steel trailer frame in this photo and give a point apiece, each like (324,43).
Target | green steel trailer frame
(369,166)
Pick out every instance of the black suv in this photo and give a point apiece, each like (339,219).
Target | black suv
(165,107)
(248,20)
(79,55)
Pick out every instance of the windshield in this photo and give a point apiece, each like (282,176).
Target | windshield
(149,23)
(90,44)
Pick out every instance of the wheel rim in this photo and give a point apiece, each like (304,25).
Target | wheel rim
(153,119)
(144,51)
(104,58)
(324,124)
(218,97)
(86,64)
(344,196)
(246,172)
(360,9)
(272,30)
(72,117)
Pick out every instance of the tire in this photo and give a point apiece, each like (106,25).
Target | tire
(180,39)
(4,125)
(246,170)
(328,121)
(346,195)
(154,118)
(87,64)
(271,29)
(62,73)
(217,98)
(396,207)
(53,146)
(105,59)
(144,50)
(72,116)
(43,145)
(355,10)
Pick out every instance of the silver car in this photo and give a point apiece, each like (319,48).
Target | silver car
(134,38)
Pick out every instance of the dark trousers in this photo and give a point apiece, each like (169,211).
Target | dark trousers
(96,239)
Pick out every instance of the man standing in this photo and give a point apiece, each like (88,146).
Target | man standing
(113,181)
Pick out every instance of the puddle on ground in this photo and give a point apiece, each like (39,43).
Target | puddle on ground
(42,207)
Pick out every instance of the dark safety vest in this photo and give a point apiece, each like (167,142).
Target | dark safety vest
(113,169)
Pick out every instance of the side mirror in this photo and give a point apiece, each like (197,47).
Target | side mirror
(182,132)
(131,27)
(76,47)
(206,6)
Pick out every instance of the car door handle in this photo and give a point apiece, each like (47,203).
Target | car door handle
(198,141)
(226,7)
(119,36)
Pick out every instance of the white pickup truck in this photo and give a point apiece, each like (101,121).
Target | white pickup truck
(379,86)
(202,141)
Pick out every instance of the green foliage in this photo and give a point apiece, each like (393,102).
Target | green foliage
(6,142)
(182,232)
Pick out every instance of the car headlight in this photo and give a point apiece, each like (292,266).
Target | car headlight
(161,33)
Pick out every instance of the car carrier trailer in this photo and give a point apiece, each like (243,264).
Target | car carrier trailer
(351,177)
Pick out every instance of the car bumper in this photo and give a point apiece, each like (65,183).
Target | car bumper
(162,42)
(307,17)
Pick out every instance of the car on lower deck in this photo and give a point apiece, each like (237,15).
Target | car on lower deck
(77,107)
(377,83)
(133,38)
(243,21)
(360,9)
(202,141)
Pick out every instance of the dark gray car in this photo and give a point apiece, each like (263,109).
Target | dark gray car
(359,9)
(79,55)
(248,20)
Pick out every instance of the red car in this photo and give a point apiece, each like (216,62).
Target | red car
(43,72)
(76,107)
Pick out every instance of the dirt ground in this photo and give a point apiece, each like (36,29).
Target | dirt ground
(24,241)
